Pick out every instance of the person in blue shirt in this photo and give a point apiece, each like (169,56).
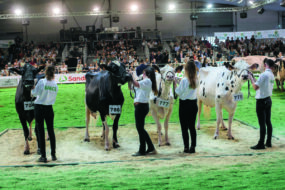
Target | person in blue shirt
(141,68)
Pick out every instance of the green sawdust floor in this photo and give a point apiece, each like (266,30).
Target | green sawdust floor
(70,109)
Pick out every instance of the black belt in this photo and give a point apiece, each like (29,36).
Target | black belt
(262,99)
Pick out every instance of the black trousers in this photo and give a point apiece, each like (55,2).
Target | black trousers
(44,113)
(263,110)
(141,110)
(187,115)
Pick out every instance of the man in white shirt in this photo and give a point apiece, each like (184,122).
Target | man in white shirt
(264,86)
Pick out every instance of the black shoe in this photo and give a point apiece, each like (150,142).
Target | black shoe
(192,150)
(186,150)
(39,151)
(53,157)
(269,145)
(139,154)
(42,159)
(258,147)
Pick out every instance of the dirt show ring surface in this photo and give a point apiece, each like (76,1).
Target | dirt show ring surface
(72,150)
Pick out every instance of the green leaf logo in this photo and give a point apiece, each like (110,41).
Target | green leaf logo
(62,78)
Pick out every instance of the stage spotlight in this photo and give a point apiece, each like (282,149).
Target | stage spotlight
(250,2)
(18,12)
(134,8)
(171,7)
(56,11)
(260,11)
(209,6)
(96,9)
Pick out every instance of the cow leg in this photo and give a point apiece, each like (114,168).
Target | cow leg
(199,113)
(277,84)
(87,121)
(30,132)
(223,126)
(219,119)
(231,116)
(281,84)
(166,121)
(24,126)
(156,119)
(115,129)
(27,148)
(107,147)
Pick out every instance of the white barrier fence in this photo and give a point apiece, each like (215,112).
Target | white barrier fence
(12,81)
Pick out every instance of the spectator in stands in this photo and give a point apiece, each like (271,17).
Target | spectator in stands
(5,72)
(79,68)
(141,68)
(96,68)
(63,68)
(177,47)
(85,68)
(217,41)
(91,67)
(158,57)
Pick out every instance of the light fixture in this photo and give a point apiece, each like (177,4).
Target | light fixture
(251,2)
(18,12)
(209,6)
(96,9)
(171,7)
(134,7)
(56,11)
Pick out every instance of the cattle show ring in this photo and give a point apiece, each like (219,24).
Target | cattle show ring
(220,161)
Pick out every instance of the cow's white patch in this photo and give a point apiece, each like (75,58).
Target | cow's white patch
(117,63)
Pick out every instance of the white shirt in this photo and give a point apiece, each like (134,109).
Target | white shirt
(184,91)
(265,83)
(143,92)
(45,91)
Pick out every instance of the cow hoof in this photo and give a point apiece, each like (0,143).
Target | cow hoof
(30,138)
(26,152)
(168,144)
(224,128)
(159,145)
(86,140)
(231,138)
(198,128)
(107,148)
(48,139)
(116,145)
(215,137)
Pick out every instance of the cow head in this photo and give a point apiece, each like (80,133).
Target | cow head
(167,73)
(28,73)
(232,78)
(119,72)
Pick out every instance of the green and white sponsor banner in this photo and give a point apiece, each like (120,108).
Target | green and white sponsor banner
(12,81)
(261,34)
(70,78)
(6,43)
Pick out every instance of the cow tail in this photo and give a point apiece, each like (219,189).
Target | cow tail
(207,111)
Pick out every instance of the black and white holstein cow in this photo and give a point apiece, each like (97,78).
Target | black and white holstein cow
(217,87)
(103,94)
(161,106)
(24,100)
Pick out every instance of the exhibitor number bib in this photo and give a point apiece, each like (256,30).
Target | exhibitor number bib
(114,109)
(163,103)
(238,97)
(29,105)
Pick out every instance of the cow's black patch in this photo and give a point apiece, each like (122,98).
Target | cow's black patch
(231,90)
(227,77)
(218,84)
(200,81)
(233,86)
(203,91)
(223,74)
(231,75)
(222,84)
(227,88)
(232,82)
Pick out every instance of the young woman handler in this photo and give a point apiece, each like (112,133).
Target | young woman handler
(141,102)
(45,91)
(188,105)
